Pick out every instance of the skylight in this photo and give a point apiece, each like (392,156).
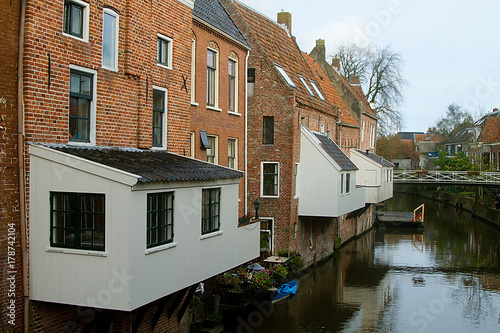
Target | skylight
(305,85)
(285,76)
(317,90)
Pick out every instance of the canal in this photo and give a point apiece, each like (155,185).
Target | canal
(444,279)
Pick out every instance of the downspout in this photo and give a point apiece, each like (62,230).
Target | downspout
(20,160)
(340,133)
(246,132)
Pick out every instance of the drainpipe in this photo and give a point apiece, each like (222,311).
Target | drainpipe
(20,158)
(339,123)
(246,132)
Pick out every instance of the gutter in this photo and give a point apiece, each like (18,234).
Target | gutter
(246,132)
(20,161)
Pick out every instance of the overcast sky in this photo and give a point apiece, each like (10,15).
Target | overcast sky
(451,48)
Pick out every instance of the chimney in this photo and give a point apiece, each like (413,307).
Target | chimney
(354,79)
(336,63)
(285,18)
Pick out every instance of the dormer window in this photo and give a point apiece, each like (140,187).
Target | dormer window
(306,85)
(317,90)
(285,76)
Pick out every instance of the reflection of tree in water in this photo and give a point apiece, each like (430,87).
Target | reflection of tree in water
(477,304)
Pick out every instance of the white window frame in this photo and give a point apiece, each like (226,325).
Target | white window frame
(170,48)
(193,72)
(285,75)
(108,11)
(85,23)
(342,177)
(236,79)
(216,82)
(317,90)
(215,149)
(165,117)
(305,85)
(235,140)
(296,195)
(262,180)
(348,189)
(93,106)
(192,140)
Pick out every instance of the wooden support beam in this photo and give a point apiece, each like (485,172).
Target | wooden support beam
(140,316)
(187,300)
(159,311)
(178,298)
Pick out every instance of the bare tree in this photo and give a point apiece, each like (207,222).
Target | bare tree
(455,119)
(380,71)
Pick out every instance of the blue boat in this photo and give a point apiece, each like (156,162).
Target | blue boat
(286,290)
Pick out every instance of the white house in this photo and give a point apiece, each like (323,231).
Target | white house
(326,178)
(375,175)
(117,228)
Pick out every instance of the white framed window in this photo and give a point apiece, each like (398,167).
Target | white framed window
(317,90)
(341,184)
(164,47)
(232,153)
(306,85)
(193,72)
(296,195)
(232,71)
(212,78)
(82,105)
(192,138)
(347,183)
(76,19)
(269,179)
(110,29)
(213,151)
(285,76)
(159,117)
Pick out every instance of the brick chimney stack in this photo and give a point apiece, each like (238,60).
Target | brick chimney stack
(354,79)
(285,18)
(336,63)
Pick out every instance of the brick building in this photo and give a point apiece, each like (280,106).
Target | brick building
(11,205)
(123,223)
(291,126)
(218,114)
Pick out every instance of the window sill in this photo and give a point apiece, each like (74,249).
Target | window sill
(210,235)
(194,104)
(80,143)
(164,66)
(213,108)
(75,251)
(234,113)
(270,196)
(81,39)
(111,69)
(160,248)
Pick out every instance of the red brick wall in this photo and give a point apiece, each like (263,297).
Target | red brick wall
(11,281)
(124,115)
(220,123)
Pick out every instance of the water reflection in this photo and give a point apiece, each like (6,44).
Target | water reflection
(445,279)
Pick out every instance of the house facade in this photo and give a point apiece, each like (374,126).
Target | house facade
(292,127)
(218,105)
(123,223)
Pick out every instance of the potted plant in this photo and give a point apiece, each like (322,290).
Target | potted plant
(245,218)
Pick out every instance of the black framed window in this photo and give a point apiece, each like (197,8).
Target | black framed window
(77,220)
(160,219)
(270,179)
(268,130)
(73,19)
(210,210)
(232,85)
(81,95)
(158,117)
(211,77)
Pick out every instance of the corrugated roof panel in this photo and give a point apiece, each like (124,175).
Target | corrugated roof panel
(335,152)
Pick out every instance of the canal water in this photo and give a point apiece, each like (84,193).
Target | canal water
(444,279)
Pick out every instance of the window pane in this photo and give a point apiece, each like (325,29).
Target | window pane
(268,130)
(108,40)
(76,20)
(211,58)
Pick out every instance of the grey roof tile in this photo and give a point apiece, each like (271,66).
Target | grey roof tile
(151,165)
(376,158)
(335,152)
(214,13)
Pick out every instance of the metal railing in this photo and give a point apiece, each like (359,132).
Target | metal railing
(446,177)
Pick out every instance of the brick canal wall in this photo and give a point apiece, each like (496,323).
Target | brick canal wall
(489,214)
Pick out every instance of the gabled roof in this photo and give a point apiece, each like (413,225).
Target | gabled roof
(331,94)
(335,152)
(377,159)
(408,135)
(461,135)
(151,165)
(272,41)
(214,13)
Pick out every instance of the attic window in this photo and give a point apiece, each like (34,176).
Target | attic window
(305,85)
(317,90)
(204,140)
(285,76)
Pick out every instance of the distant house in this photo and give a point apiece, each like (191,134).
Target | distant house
(412,162)
(486,148)
(428,147)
